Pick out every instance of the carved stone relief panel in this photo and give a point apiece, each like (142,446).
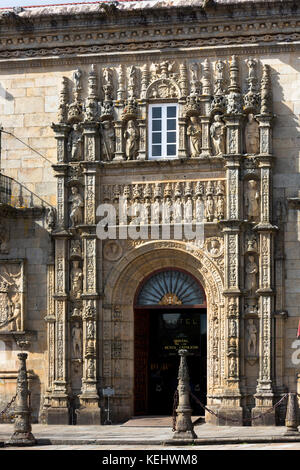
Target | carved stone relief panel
(214,113)
(12,295)
(191,201)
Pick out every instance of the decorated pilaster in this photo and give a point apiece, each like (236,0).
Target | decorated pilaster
(205,119)
(227,144)
(142,122)
(89,411)
(266,231)
(57,412)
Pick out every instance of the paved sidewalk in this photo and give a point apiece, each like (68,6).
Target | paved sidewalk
(148,435)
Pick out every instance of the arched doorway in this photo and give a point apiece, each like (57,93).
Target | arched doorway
(169,314)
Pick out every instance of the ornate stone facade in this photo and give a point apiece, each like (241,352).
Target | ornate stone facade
(223,176)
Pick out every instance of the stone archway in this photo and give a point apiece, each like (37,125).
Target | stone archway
(118,313)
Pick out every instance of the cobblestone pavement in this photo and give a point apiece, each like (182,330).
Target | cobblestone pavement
(274,446)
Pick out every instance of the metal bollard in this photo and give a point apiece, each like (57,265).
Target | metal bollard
(291,414)
(22,435)
(184,425)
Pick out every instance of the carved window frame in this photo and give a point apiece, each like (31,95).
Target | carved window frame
(164,130)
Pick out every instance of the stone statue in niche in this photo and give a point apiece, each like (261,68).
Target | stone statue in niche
(232,366)
(188,210)
(232,328)
(76,341)
(252,340)
(75,144)
(209,208)
(252,201)
(217,133)
(199,209)
(108,140)
(4,238)
(76,280)
(131,135)
(252,135)
(166,210)
(251,275)
(155,216)
(194,132)
(220,207)
(76,212)
(177,210)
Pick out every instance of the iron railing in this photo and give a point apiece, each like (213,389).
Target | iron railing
(16,195)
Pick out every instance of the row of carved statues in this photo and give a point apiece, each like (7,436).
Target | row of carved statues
(168,202)
(194,144)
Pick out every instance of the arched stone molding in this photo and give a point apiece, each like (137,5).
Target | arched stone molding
(119,292)
(163,88)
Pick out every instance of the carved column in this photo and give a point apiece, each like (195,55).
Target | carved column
(89,411)
(231,401)
(57,327)
(205,119)
(91,141)
(206,148)
(264,393)
(61,168)
(50,319)
(119,154)
(142,123)
(58,413)
(182,153)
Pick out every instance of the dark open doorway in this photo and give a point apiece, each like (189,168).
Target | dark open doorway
(160,331)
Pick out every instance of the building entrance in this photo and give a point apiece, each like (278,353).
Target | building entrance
(162,329)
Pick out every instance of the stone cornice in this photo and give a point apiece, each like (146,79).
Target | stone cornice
(192,30)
